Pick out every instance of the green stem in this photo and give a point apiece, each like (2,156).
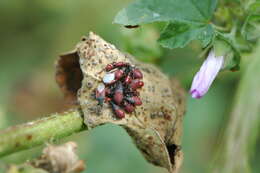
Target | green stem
(34,133)
(242,131)
(220,28)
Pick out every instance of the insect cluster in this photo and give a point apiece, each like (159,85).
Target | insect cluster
(119,88)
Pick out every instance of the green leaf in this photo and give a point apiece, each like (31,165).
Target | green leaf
(251,28)
(147,11)
(180,34)
(254,8)
(188,19)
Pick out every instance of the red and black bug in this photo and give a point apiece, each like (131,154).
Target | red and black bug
(100,93)
(118,94)
(120,88)
(129,108)
(114,65)
(117,110)
(135,84)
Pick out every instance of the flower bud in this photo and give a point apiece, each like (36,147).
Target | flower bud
(206,75)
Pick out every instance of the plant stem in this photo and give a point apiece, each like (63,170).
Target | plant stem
(242,131)
(220,28)
(34,133)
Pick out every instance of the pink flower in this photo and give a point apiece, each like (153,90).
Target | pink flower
(206,75)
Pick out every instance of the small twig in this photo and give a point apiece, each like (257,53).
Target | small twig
(34,133)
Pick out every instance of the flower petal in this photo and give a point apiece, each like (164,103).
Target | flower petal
(206,75)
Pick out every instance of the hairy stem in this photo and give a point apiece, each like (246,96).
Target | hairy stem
(34,133)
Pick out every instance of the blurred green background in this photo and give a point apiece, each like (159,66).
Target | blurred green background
(33,34)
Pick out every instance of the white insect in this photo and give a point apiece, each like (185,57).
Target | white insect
(101,87)
(108,78)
